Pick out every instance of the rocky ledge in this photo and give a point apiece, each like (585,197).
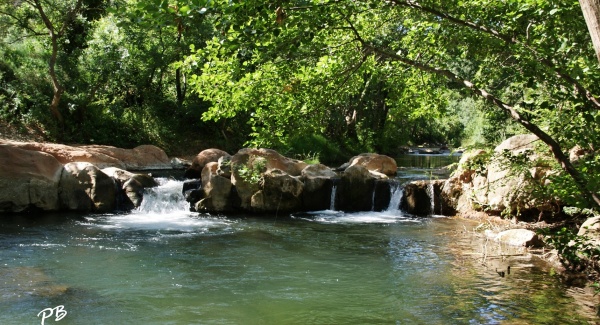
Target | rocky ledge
(54,177)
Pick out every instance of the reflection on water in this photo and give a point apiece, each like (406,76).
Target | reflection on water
(325,267)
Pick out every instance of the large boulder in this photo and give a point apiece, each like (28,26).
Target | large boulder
(318,183)
(143,157)
(84,187)
(203,158)
(517,237)
(376,163)
(279,192)
(486,181)
(217,190)
(28,180)
(355,191)
(248,167)
(66,154)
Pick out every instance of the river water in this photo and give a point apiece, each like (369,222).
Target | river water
(164,265)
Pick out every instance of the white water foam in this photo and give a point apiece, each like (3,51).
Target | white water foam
(164,208)
(396,195)
(340,217)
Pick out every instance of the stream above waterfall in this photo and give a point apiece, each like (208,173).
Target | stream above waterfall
(162,264)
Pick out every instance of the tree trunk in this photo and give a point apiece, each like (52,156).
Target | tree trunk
(57,87)
(591,13)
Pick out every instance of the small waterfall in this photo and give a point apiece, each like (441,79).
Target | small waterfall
(373,200)
(332,200)
(396,195)
(431,194)
(164,199)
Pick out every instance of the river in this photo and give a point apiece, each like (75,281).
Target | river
(163,265)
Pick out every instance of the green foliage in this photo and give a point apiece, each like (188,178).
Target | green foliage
(478,163)
(315,148)
(252,171)
(576,252)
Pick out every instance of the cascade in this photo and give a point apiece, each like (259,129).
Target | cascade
(396,195)
(332,200)
(373,200)
(431,194)
(164,199)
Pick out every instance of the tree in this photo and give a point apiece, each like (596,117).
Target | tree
(529,61)
(591,13)
(38,18)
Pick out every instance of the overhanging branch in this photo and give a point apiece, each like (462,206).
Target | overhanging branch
(561,74)
(555,148)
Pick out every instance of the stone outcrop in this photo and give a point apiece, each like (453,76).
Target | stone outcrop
(144,157)
(49,177)
(217,190)
(262,180)
(318,182)
(279,191)
(203,158)
(28,180)
(85,188)
(355,189)
(484,181)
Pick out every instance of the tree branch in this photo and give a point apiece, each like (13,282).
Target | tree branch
(555,148)
(581,90)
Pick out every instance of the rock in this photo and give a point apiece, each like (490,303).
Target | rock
(179,163)
(519,237)
(144,157)
(279,192)
(376,163)
(28,180)
(577,153)
(591,229)
(192,190)
(248,167)
(518,143)
(416,198)
(224,166)
(66,154)
(355,190)
(84,187)
(140,158)
(22,281)
(318,181)
(203,158)
(132,186)
(273,159)
(217,190)
(484,182)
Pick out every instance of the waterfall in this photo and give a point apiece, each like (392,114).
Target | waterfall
(164,199)
(431,194)
(396,195)
(332,200)
(373,200)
